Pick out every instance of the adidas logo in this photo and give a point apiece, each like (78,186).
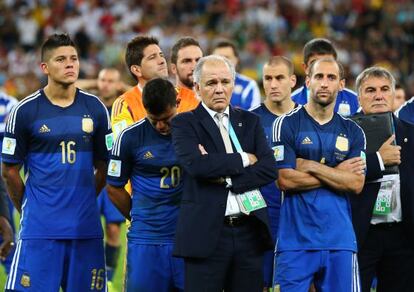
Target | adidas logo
(44,129)
(148,155)
(307,141)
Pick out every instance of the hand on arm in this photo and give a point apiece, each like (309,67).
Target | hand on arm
(355,165)
(252,158)
(14,184)
(121,199)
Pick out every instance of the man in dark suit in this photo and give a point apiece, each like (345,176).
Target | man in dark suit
(222,247)
(385,235)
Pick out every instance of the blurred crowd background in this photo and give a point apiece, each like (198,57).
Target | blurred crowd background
(365,32)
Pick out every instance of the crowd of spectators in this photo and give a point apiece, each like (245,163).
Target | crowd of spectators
(365,32)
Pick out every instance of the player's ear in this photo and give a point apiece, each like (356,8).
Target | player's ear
(197,88)
(305,68)
(136,70)
(307,81)
(178,101)
(173,68)
(292,81)
(43,67)
(342,84)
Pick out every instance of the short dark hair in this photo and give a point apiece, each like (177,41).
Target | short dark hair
(276,60)
(182,43)
(135,50)
(226,44)
(158,95)
(318,46)
(327,60)
(55,41)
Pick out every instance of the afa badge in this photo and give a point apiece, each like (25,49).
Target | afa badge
(87,125)
(114,168)
(279,152)
(342,144)
(25,280)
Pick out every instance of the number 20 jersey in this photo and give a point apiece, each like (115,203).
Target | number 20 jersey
(58,146)
(147,158)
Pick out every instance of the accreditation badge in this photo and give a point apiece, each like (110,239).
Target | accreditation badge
(251,201)
(384,203)
(87,125)
(342,144)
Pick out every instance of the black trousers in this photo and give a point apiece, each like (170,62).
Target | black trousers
(388,254)
(235,265)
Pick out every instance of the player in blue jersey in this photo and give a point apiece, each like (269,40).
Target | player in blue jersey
(7,102)
(318,155)
(246,93)
(406,111)
(144,153)
(278,81)
(108,85)
(347,101)
(59,133)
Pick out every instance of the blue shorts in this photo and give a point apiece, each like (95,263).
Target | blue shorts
(151,267)
(108,209)
(47,264)
(329,270)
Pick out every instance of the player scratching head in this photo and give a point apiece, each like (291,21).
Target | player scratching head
(160,101)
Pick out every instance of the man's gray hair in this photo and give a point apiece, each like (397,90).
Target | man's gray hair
(215,58)
(377,72)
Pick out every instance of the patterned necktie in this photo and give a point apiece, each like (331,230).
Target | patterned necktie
(224,133)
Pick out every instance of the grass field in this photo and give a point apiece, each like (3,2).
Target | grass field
(118,277)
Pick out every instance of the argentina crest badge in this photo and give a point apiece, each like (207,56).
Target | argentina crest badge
(87,125)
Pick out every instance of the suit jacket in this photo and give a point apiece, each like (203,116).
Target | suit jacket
(204,199)
(363,204)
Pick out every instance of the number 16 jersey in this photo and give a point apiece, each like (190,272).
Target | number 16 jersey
(58,146)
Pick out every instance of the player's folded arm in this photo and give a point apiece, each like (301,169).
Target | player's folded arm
(338,179)
(292,180)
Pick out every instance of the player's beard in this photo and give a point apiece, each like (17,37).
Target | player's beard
(187,81)
(325,101)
